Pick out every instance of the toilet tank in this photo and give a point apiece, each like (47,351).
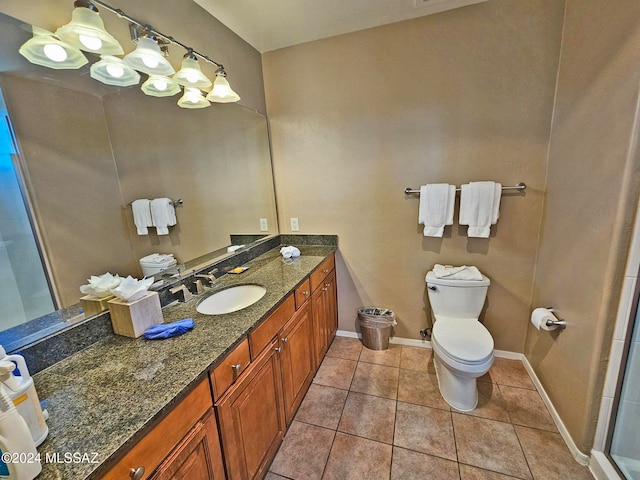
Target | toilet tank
(456,298)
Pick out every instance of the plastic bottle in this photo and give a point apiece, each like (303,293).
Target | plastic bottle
(16,443)
(22,392)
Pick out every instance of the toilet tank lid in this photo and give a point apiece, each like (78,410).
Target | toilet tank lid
(452,282)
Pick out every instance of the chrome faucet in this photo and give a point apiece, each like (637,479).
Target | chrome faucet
(210,277)
(186,294)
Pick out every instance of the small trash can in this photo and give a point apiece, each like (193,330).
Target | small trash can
(376,325)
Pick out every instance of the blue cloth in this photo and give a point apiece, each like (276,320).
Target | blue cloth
(166,330)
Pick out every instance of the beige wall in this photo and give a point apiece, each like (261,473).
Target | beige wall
(592,191)
(454,97)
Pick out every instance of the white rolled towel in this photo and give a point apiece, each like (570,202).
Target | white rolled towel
(458,273)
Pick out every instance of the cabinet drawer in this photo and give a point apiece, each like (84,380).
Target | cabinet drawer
(317,276)
(261,336)
(158,443)
(230,368)
(302,293)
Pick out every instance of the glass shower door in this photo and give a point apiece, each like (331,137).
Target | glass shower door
(25,293)
(625,441)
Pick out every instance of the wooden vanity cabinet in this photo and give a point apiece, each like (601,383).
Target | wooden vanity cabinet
(297,359)
(251,416)
(183,442)
(325,310)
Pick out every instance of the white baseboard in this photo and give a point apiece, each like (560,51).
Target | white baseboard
(601,468)
(580,457)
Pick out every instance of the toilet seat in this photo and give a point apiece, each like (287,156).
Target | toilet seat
(462,341)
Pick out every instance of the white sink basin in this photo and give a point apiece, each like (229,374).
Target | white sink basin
(231,299)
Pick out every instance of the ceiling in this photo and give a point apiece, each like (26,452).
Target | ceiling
(270,25)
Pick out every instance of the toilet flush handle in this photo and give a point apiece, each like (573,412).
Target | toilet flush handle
(432,287)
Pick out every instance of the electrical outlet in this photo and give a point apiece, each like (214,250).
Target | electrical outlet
(295,226)
(264,225)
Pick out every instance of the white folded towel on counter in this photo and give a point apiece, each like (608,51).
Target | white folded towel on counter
(142,215)
(436,208)
(163,215)
(458,273)
(480,207)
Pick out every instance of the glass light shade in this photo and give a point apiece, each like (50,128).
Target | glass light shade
(47,50)
(113,71)
(193,98)
(148,58)
(86,31)
(158,86)
(222,92)
(190,74)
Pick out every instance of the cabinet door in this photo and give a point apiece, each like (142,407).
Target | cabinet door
(297,359)
(318,309)
(197,456)
(251,417)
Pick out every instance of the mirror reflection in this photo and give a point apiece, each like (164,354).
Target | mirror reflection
(76,153)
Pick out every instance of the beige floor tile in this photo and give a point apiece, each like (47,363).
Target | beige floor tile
(368,416)
(389,357)
(548,456)
(511,373)
(335,372)
(526,408)
(424,429)
(421,388)
(407,465)
(355,458)
(490,403)
(345,347)
(468,472)
(273,476)
(378,380)
(304,452)
(322,406)
(490,445)
(417,358)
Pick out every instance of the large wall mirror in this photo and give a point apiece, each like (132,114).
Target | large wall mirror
(83,151)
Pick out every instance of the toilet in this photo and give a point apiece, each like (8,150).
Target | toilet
(462,346)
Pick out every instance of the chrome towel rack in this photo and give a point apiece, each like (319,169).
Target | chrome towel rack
(519,186)
(176,203)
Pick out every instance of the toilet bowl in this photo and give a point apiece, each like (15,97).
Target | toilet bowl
(462,346)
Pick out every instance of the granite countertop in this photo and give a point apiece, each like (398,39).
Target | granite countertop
(102,400)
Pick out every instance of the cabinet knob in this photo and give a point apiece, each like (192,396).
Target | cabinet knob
(136,473)
(278,349)
(327,284)
(285,340)
(306,293)
(324,289)
(325,270)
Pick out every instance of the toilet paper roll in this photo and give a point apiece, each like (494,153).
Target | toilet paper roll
(540,316)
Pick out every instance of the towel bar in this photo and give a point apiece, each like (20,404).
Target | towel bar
(176,203)
(519,186)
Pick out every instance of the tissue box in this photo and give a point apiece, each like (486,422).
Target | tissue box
(94,305)
(131,319)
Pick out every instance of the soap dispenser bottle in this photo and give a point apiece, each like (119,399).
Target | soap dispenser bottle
(22,392)
(19,458)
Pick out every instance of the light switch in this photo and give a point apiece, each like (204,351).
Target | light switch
(295,227)
(264,225)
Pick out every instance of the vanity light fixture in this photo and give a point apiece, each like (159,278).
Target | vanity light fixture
(47,50)
(190,74)
(113,71)
(193,98)
(159,86)
(86,31)
(222,92)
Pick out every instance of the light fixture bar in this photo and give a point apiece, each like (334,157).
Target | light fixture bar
(152,30)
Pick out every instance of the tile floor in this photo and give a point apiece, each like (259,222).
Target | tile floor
(379,415)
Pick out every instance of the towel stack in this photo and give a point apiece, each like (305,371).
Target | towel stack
(458,273)
(158,213)
(480,207)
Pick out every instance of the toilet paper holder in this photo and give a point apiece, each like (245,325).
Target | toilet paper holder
(561,324)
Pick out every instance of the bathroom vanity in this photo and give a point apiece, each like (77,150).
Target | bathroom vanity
(213,403)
